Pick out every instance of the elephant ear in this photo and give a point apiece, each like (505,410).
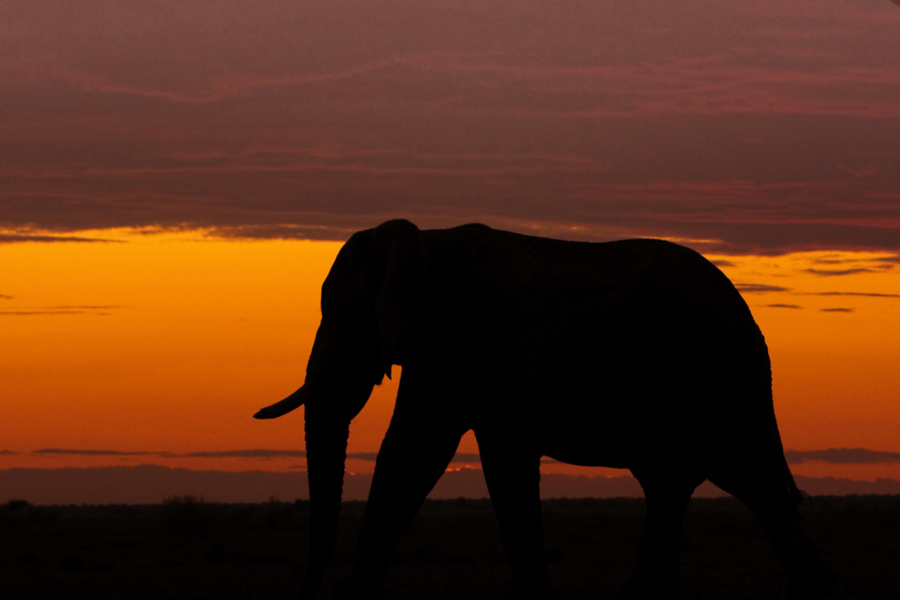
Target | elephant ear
(397,304)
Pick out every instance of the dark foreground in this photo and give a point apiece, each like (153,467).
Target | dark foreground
(189,549)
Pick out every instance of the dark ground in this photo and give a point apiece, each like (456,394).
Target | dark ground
(188,549)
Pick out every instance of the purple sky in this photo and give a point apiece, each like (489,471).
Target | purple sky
(763,126)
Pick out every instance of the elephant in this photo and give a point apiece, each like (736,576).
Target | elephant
(636,354)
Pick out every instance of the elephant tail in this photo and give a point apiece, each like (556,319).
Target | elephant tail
(797,495)
(794,493)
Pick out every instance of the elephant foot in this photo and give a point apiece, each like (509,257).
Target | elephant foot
(647,588)
(357,588)
(813,583)
(531,590)
(309,586)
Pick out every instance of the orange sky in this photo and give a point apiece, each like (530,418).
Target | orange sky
(163,345)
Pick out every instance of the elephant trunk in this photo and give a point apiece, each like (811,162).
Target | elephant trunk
(326,453)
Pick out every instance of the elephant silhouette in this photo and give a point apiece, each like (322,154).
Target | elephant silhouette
(636,354)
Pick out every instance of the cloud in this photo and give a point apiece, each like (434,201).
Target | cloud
(252,453)
(832,455)
(759,288)
(840,272)
(837,310)
(81,452)
(7,452)
(459,457)
(367,456)
(780,305)
(257,453)
(5,297)
(735,126)
(248,454)
(837,265)
(9,238)
(282,231)
(843,456)
(149,484)
(96,310)
(856,294)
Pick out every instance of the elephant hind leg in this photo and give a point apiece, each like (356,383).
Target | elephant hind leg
(656,573)
(772,497)
(513,479)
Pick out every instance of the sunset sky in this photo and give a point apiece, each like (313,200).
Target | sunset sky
(176,178)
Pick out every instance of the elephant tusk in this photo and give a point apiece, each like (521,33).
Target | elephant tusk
(283,407)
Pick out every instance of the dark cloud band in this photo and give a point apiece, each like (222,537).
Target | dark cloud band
(249,454)
(759,288)
(857,294)
(96,310)
(832,455)
(843,456)
(9,238)
(80,452)
(732,131)
(460,457)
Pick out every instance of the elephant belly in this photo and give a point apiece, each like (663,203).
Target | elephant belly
(593,443)
(625,427)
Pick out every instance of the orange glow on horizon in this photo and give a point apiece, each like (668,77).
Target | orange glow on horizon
(160,346)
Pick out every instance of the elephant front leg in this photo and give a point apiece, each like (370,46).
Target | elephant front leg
(512,474)
(413,456)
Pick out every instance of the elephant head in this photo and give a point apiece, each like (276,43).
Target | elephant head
(369,301)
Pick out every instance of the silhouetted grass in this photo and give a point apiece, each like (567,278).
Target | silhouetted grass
(191,549)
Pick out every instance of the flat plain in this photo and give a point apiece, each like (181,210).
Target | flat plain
(185,548)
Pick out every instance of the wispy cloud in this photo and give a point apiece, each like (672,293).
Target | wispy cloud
(282,231)
(5,297)
(857,294)
(759,288)
(781,305)
(9,238)
(252,453)
(837,265)
(96,310)
(368,456)
(843,456)
(459,457)
(841,272)
(839,309)
(831,455)
(257,453)
(83,452)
